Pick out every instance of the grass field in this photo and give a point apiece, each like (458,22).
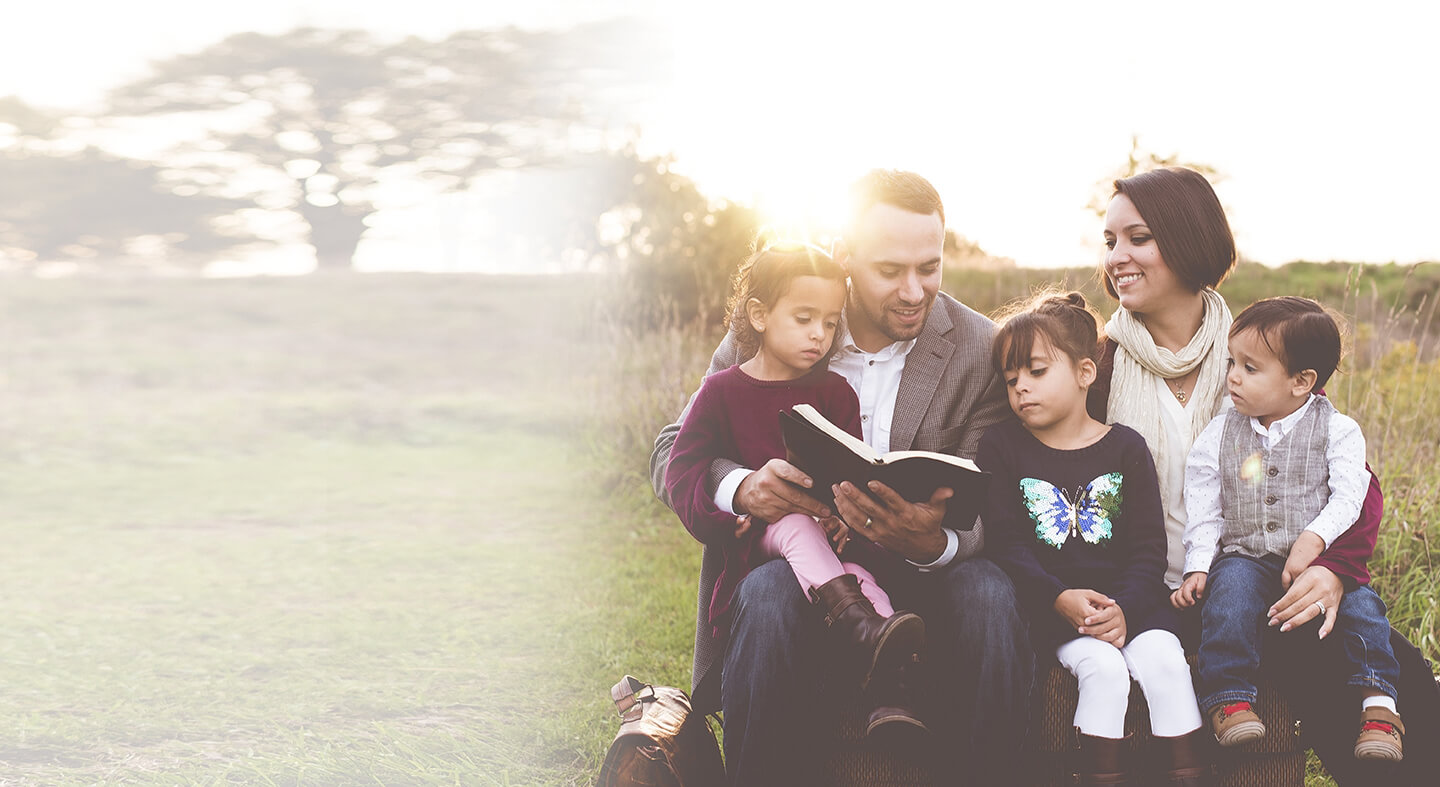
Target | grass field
(386,529)
(302,531)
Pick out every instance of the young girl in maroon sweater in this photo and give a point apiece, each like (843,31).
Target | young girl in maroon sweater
(786,308)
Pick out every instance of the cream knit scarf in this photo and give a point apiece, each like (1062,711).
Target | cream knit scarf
(1139,363)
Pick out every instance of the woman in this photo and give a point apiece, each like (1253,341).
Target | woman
(1163,374)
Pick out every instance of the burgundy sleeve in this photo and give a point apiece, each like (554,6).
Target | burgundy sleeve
(704,436)
(843,407)
(1348,554)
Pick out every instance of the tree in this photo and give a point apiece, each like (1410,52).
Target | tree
(1139,160)
(961,252)
(63,200)
(325,123)
(674,248)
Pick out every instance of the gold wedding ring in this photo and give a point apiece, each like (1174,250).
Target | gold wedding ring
(869,521)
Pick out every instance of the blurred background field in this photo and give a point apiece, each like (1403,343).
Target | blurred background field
(300,531)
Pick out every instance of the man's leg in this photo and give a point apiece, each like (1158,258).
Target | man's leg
(1312,674)
(768,688)
(984,668)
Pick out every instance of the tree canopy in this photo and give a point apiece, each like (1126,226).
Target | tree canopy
(64,199)
(331,124)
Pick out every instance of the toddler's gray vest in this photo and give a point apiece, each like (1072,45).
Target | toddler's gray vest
(1267,497)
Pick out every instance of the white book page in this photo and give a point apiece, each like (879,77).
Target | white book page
(809,413)
(895,456)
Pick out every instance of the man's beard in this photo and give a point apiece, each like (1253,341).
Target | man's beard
(892,332)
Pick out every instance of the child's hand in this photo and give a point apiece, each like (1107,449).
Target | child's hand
(1107,625)
(1306,548)
(837,531)
(1077,604)
(742,525)
(1190,591)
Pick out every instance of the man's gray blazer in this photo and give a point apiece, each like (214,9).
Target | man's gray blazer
(948,396)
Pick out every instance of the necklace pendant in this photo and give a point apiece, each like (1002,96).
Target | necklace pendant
(1181,396)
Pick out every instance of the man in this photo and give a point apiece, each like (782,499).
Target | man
(920,363)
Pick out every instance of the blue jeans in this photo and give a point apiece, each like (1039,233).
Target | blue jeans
(979,657)
(1238,593)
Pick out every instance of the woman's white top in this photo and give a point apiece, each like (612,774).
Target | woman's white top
(1176,420)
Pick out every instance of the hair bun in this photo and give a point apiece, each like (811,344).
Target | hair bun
(1056,300)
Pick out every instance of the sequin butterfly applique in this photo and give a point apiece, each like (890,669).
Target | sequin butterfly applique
(1089,515)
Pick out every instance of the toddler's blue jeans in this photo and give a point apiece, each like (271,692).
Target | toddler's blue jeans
(1238,593)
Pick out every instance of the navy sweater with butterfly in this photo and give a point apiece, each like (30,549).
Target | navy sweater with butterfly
(1116,546)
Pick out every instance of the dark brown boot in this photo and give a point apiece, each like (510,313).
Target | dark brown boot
(1102,761)
(891,697)
(1185,760)
(869,642)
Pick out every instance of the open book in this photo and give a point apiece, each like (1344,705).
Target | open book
(829,455)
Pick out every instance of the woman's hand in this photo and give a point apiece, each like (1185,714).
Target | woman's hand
(1316,587)
(1302,553)
(1190,591)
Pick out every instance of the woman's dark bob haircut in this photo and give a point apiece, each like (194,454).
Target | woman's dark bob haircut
(1189,226)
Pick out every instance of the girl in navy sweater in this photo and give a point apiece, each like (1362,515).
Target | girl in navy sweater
(1074,518)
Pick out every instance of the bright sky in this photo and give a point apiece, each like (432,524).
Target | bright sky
(1321,116)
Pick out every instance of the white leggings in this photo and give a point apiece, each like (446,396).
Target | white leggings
(1156,661)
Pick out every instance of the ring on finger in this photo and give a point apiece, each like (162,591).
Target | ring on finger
(869,521)
(1321,605)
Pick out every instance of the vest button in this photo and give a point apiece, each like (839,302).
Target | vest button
(1272,472)
(1270,500)
(1271,527)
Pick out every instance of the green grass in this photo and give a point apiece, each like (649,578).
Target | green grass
(305,531)
(1385,301)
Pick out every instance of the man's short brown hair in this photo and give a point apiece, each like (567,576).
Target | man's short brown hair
(904,190)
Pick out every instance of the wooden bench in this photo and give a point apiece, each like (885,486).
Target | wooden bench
(1274,761)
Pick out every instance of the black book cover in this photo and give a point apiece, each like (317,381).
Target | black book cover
(829,455)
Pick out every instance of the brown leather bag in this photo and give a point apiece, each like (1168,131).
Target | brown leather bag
(661,743)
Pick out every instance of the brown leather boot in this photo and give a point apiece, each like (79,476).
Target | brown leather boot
(891,697)
(869,642)
(1185,760)
(1102,761)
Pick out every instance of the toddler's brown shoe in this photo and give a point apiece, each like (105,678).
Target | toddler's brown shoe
(1235,723)
(1380,732)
